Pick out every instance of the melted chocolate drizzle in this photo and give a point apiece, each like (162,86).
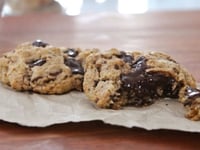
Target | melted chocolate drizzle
(143,88)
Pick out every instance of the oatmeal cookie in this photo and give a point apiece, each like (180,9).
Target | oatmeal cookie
(43,68)
(114,79)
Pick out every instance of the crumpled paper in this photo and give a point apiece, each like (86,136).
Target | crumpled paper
(35,110)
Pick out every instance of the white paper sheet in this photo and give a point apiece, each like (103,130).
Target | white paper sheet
(43,110)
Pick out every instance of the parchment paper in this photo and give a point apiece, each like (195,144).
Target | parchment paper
(43,110)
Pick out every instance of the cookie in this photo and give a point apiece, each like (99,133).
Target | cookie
(114,79)
(43,68)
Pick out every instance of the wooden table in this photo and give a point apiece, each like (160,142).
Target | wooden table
(176,33)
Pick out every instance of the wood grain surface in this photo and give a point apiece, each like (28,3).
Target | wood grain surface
(175,33)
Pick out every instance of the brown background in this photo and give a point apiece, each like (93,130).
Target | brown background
(176,33)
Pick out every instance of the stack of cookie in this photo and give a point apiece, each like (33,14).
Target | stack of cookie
(110,79)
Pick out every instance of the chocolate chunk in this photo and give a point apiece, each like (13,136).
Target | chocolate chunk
(39,43)
(139,64)
(147,87)
(71,52)
(138,71)
(143,88)
(125,57)
(192,94)
(74,65)
(38,62)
